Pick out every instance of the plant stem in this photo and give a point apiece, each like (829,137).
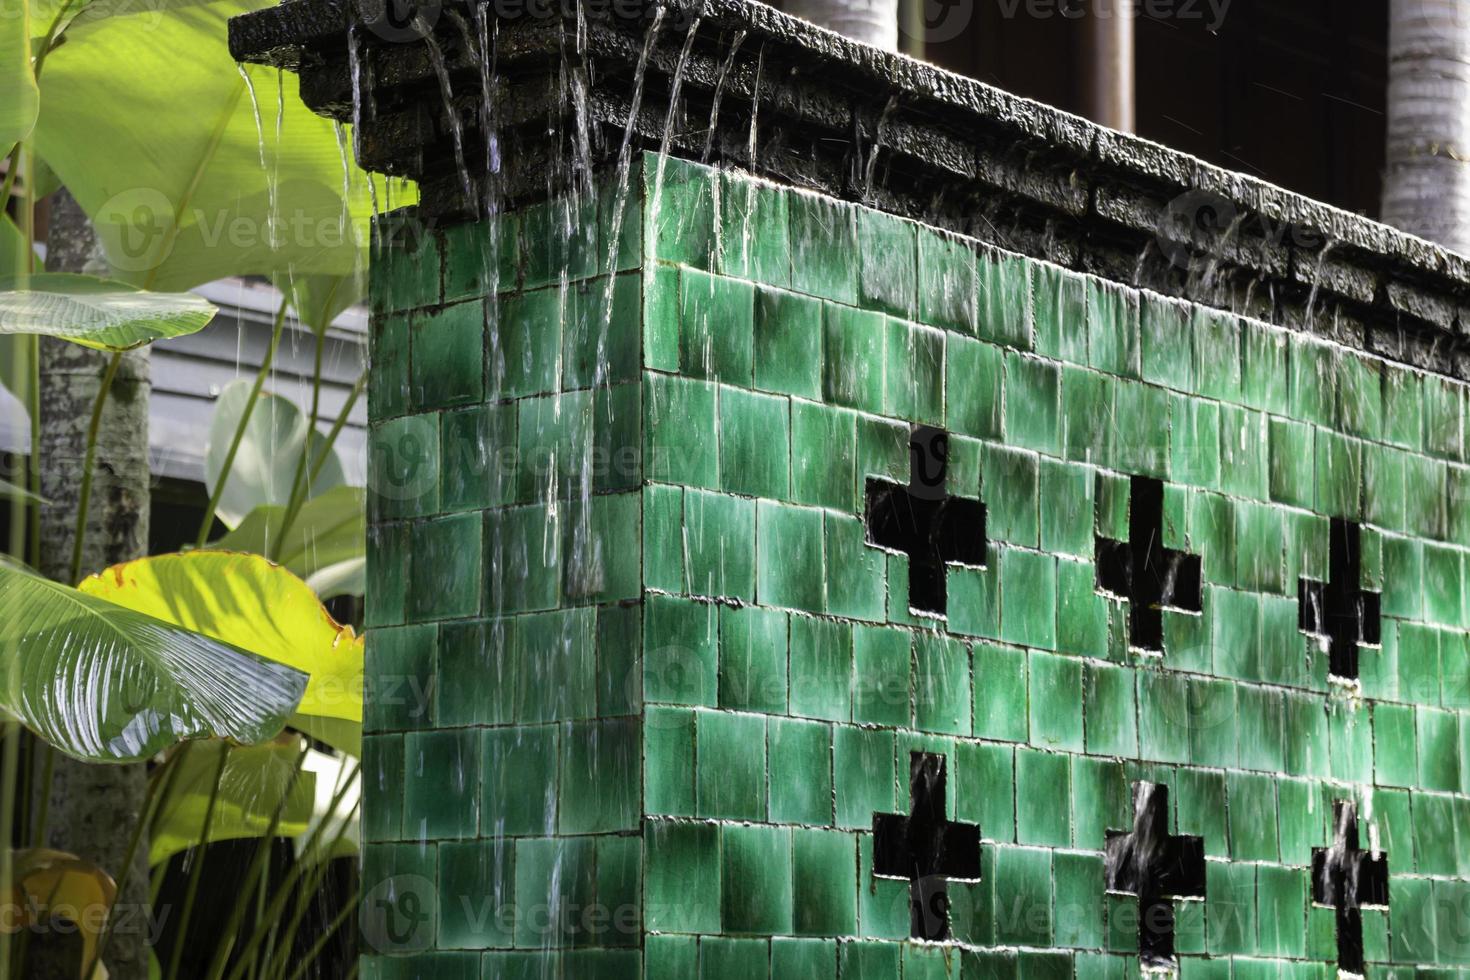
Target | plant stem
(229,463)
(225,940)
(339,424)
(43,806)
(300,481)
(327,934)
(9,763)
(319,871)
(294,511)
(88,461)
(196,873)
(278,900)
(159,787)
(33,409)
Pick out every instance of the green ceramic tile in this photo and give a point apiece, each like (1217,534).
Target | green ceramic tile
(1033,400)
(888,256)
(973,381)
(1005,298)
(821,668)
(947,281)
(753,668)
(788,343)
(823,244)
(824,898)
(755,239)
(800,753)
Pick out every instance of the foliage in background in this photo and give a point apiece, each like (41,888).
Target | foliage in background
(190,169)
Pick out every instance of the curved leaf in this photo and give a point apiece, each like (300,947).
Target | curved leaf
(22,99)
(251,603)
(15,492)
(99,313)
(110,684)
(256,781)
(344,578)
(265,464)
(329,530)
(215,202)
(50,885)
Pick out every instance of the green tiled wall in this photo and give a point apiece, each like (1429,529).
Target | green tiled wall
(638,683)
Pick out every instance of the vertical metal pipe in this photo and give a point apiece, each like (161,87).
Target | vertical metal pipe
(1108,95)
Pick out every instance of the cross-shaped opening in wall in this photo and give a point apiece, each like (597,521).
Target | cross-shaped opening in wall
(922,521)
(926,849)
(1156,867)
(1338,612)
(1151,577)
(1347,880)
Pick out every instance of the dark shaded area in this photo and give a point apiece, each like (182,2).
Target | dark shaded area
(924,522)
(1347,879)
(1338,610)
(225,867)
(1157,867)
(925,848)
(1141,570)
(1291,91)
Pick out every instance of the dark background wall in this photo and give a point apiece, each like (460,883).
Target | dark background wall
(1291,91)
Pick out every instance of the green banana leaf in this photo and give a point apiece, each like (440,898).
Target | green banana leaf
(109,684)
(229,195)
(256,781)
(265,464)
(259,606)
(21,99)
(98,313)
(329,531)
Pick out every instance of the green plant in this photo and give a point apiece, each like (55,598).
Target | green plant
(186,139)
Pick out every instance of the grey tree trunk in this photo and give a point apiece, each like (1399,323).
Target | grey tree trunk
(1426,187)
(871,21)
(93,808)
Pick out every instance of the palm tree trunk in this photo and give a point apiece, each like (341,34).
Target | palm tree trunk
(93,809)
(870,21)
(1426,187)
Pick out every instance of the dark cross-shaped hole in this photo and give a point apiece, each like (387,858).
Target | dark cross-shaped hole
(922,521)
(1338,611)
(926,849)
(1158,868)
(1151,577)
(1348,879)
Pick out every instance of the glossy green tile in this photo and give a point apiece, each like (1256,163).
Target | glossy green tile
(788,343)
(755,235)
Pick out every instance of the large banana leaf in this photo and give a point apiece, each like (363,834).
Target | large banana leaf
(259,606)
(148,122)
(329,532)
(19,97)
(256,781)
(98,313)
(112,684)
(265,464)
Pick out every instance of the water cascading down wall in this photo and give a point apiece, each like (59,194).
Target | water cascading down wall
(832,519)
